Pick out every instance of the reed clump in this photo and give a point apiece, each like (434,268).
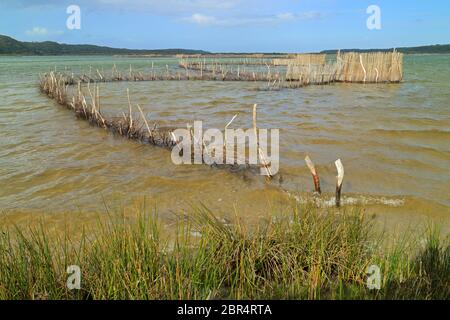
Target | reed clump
(308,254)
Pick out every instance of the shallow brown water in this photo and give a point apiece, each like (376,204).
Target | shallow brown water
(394,142)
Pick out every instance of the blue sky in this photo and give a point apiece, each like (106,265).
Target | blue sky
(230,25)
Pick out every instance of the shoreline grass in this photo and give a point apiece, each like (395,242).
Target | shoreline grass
(309,254)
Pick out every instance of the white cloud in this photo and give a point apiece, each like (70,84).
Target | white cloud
(201,19)
(205,20)
(286,16)
(37,31)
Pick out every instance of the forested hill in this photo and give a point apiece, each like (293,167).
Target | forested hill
(10,46)
(437,48)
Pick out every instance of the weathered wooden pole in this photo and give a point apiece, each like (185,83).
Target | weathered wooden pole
(260,153)
(130,116)
(145,121)
(339,179)
(316,179)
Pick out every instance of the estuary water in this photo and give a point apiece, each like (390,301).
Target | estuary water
(393,139)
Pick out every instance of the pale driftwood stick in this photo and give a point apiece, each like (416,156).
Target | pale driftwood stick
(100,75)
(226,127)
(98,107)
(129,112)
(316,180)
(339,179)
(93,110)
(98,99)
(261,156)
(254,121)
(232,119)
(173,137)
(364,69)
(84,104)
(145,120)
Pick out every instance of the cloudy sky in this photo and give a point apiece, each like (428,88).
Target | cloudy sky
(230,25)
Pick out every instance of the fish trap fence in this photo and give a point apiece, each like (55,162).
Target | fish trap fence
(301,60)
(371,67)
(353,67)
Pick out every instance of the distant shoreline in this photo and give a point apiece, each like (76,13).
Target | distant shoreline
(237,55)
(13,47)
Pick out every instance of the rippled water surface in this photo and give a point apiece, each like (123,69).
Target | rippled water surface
(394,141)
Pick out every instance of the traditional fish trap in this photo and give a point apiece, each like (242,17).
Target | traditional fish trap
(229,61)
(311,74)
(301,60)
(87,107)
(184,56)
(373,67)
(219,71)
(376,67)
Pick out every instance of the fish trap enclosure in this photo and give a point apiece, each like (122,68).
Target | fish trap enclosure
(87,106)
(311,74)
(373,67)
(352,67)
(301,60)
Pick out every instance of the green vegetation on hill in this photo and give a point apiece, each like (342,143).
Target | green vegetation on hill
(10,46)
(437,48)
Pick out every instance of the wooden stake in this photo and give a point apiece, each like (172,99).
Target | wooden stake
(129,112)
(260,153)
(364,69)
(100,75)
(145,120)
(339,179)
(226,127)
(316,180)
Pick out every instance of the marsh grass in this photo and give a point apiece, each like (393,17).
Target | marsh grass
(309,254)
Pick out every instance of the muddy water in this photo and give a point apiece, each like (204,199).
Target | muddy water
(394,141)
